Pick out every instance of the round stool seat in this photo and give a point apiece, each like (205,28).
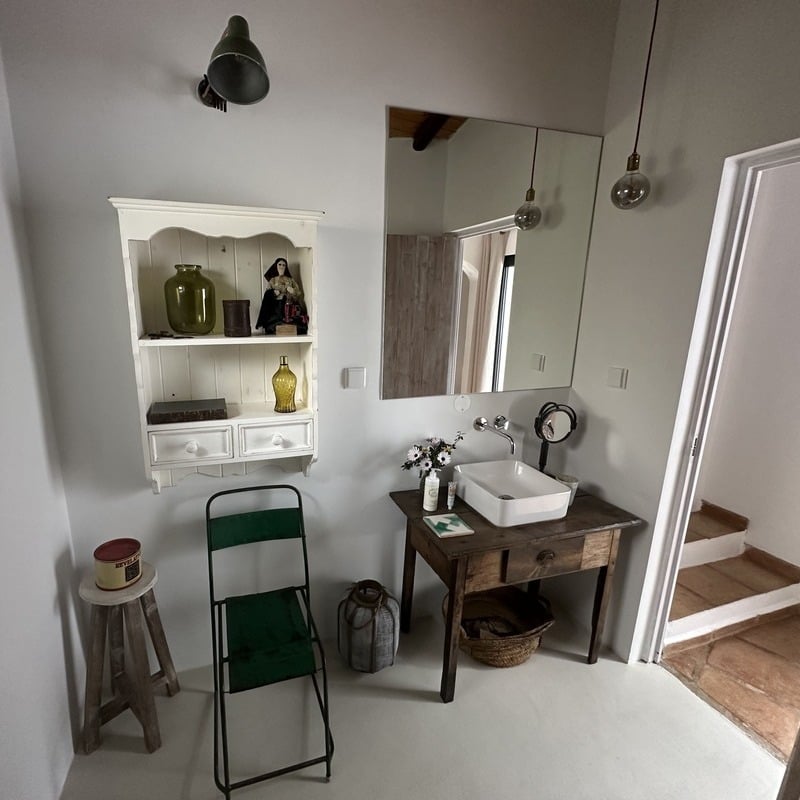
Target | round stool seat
(93,594)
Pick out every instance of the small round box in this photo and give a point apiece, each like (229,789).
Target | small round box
(117,564)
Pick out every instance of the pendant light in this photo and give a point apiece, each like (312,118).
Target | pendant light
(236,71)
(529,215)
(633,187)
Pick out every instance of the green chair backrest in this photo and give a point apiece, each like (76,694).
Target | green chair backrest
(254,526)
(250,527)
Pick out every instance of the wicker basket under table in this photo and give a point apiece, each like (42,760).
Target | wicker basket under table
(514,610)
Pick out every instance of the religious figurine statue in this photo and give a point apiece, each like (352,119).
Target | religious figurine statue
(283,300)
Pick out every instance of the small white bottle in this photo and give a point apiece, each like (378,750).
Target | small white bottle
(430,491)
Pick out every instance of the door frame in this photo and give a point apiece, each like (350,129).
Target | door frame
(738,194)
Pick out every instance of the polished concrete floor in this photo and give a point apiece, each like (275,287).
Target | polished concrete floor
(553,728)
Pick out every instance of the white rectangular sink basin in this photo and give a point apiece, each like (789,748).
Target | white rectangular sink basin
(511,492)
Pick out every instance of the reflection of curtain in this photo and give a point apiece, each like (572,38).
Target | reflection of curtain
(488,300)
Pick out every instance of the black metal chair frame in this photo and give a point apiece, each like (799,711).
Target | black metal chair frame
(222,658)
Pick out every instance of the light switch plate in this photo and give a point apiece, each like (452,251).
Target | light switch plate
(355,378)
(617,377)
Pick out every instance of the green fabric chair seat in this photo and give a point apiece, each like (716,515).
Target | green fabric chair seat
(268,639)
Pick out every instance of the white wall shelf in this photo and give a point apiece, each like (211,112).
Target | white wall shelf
(235,245)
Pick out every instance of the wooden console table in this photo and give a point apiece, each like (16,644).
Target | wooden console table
(586,538)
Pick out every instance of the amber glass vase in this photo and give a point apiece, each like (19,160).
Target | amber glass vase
(190,301)
(284,382)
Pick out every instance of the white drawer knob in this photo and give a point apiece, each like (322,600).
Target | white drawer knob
(277,440)
(193,446)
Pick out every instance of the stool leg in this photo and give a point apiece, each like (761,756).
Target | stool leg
(116,648)
(94,679)
(144,686)
(153,619)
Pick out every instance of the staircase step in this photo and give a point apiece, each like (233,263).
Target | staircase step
(712,521)
(731,591)
(717,548)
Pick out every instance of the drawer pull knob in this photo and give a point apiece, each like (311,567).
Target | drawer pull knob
(193,446)
(277,440)
(545,555)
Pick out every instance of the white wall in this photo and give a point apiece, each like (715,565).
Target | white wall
(102,103)
(720,79)
(37,657)
(752,453)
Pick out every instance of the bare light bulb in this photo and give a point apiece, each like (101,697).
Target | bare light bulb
(528,215)
(632,188)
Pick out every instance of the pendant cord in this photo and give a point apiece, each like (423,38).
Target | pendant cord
(535,145)
(644,84)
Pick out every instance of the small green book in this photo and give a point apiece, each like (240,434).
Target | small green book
(447,525)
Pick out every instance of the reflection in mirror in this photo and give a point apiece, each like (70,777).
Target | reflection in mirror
(471,304)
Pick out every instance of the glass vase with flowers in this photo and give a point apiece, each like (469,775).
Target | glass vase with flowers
(428,458)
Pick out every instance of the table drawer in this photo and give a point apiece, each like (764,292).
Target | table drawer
(542,559)
(279,437)
(187,446)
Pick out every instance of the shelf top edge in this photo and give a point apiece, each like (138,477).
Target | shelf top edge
(133,204)
(211,339)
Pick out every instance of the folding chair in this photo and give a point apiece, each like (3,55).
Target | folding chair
(264,637)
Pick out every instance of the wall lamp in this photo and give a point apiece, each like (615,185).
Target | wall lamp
(236,72)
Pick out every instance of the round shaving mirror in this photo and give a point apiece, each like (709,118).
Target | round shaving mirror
(554,423)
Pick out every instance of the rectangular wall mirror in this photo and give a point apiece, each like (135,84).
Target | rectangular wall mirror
(471,303)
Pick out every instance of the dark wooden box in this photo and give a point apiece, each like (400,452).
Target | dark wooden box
(187,411)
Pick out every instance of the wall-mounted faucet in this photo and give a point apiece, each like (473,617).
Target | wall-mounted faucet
(500,427)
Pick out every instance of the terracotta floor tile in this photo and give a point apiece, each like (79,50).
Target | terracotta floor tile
(778,725)
(745,571)
(781,637)
(686,602)
(765,671)
(689,663)
(713,585)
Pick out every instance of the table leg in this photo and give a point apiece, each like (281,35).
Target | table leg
(601,599)
(94,679)
(409,564)
(452,630)
(153,619)
(134,620)
(116,648)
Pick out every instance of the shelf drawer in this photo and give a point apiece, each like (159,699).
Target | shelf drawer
(276,438)
(187,446)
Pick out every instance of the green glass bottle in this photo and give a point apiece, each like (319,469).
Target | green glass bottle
(284,382)
(191,309)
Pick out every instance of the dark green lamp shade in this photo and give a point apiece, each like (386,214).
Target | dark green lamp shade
(237,71)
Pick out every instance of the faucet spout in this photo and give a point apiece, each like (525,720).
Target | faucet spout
(500,423)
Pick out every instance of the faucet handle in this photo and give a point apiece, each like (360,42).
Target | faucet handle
(500,422)
(480,423)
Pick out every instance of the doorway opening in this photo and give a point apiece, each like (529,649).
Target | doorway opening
(718,611)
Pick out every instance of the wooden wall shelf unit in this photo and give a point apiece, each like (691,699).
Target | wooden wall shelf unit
(235,245)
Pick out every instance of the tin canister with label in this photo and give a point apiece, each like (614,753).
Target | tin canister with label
(117,563)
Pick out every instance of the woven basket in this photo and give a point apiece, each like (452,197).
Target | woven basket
(502,627)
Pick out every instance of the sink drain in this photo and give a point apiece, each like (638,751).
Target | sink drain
(505,497)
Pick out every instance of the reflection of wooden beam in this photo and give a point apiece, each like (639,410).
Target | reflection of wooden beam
(427,130)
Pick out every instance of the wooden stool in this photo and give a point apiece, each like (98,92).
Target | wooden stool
(137,604)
